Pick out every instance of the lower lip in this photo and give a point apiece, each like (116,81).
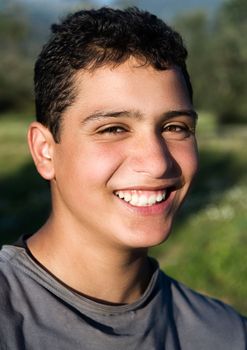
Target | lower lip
(154,209)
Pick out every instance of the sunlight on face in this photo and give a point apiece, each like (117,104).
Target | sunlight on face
(127,155)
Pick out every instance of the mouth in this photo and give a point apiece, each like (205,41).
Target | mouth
(143,198)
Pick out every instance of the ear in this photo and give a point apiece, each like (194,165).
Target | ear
(41,145)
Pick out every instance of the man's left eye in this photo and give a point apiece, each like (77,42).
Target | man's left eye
(175,128)
(177,131)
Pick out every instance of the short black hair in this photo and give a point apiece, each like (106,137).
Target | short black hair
(89,39)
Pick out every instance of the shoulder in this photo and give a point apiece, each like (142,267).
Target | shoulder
(10,295)
(8,273)
(210,320)
(13,274)
(14,302)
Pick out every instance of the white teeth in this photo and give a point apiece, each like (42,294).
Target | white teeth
(127,197)
(152,199)
(134,199)
(159,198)
(141,200)
(121,194)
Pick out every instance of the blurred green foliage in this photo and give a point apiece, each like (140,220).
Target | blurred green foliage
(218,59)
(24,199)
(16,60)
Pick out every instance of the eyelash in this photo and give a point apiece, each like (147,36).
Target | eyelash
(113,130)
(178,130)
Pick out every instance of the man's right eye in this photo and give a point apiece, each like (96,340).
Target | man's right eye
(112,130)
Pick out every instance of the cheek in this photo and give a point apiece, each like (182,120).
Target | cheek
(191,161)
(186,155)
(97,164)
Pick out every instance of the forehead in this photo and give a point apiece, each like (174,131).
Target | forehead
(130,85)
(131,68)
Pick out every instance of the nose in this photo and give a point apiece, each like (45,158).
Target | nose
(151,156)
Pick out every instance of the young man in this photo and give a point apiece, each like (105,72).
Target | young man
(115,136)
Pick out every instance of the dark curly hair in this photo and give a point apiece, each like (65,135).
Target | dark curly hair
(89,39)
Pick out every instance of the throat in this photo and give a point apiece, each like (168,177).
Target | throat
(104,278)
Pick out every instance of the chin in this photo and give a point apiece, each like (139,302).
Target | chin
(148,239)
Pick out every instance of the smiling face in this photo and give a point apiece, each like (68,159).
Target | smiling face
(127,156)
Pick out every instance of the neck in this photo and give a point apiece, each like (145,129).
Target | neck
(100,273)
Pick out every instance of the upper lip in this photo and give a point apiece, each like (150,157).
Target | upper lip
(172,185)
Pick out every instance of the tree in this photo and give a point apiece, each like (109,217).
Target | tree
(196,32)
(230,60)
(218,59)
(15,62)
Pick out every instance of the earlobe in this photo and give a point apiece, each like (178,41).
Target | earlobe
(41,143)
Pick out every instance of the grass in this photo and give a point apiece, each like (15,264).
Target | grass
(207,248)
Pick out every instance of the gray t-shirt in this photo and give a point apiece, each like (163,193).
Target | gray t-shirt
(39,312)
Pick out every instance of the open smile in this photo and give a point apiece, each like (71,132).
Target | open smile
(143,198)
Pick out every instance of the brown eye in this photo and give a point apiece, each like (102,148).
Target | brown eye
(174,128)
(176,131)
(112,130)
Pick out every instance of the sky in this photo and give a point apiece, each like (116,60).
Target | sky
(165,9)
(104,2)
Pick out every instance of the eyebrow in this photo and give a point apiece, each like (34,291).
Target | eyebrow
(99,115)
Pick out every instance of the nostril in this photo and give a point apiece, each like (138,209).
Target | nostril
(155,163)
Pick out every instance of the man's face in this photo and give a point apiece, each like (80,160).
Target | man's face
(127,156)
